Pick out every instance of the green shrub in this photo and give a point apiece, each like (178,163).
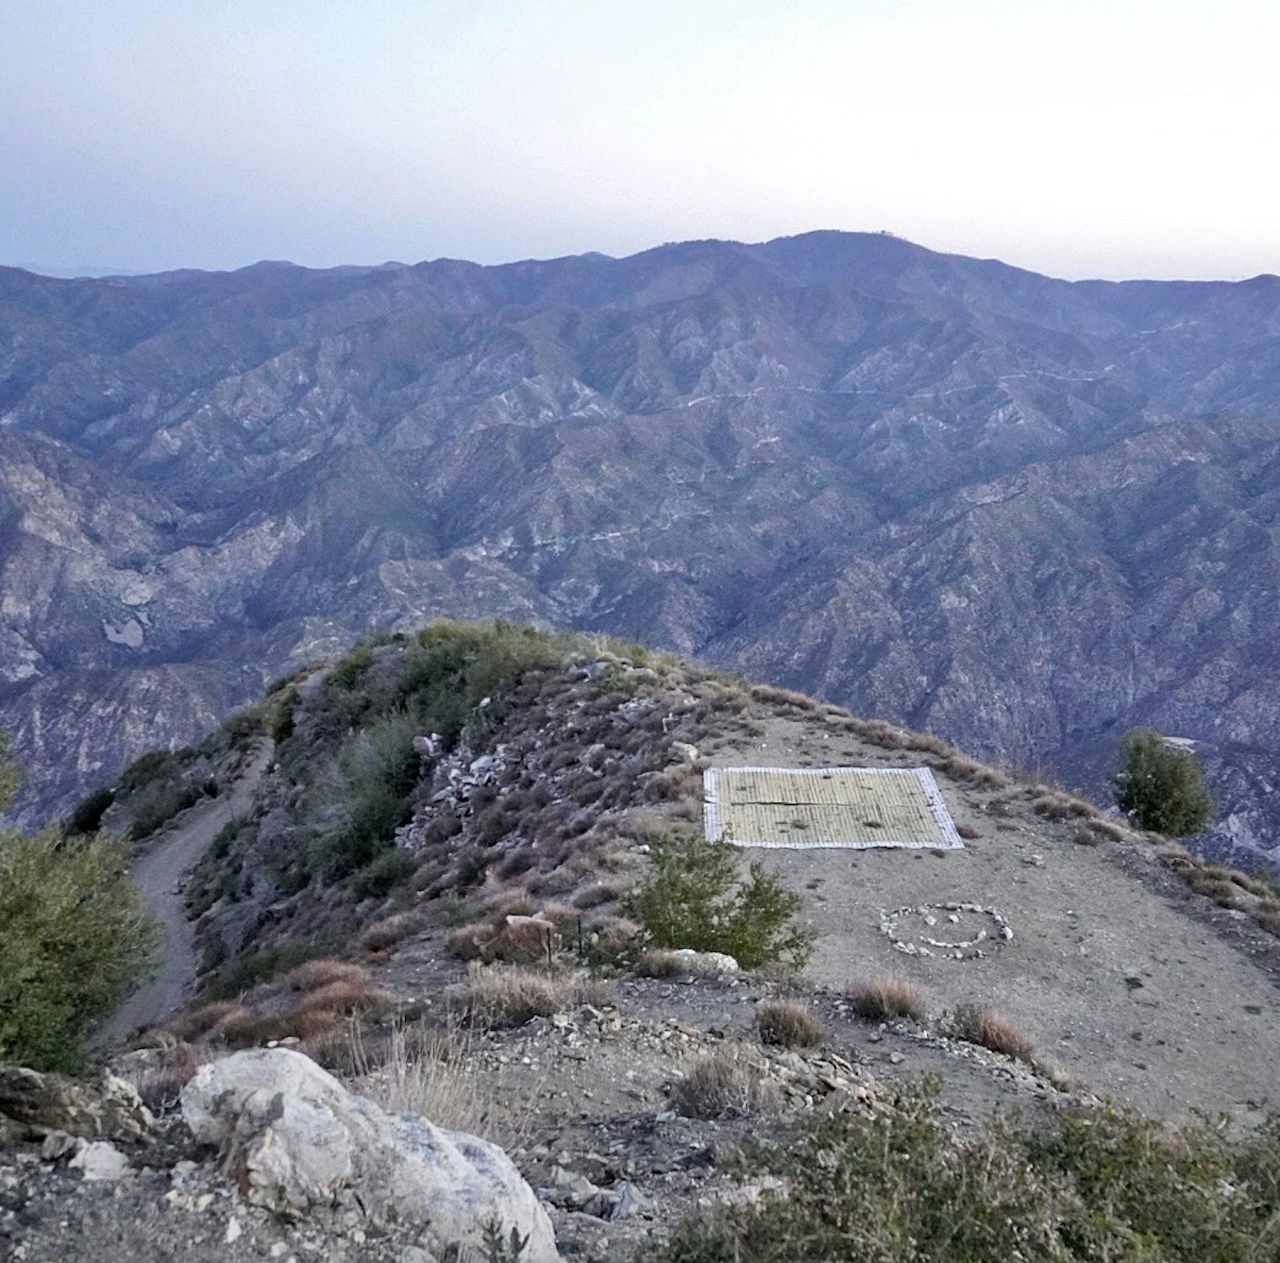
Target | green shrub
(351,667)
(74,941)
(369,794)
(87,814)
(10,777)
(695,897)
(899,1186)
(157,803)
(1161,787)
(279,721)
(152,766)
(378,879)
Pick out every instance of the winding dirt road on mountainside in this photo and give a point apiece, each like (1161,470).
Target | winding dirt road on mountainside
(158,875)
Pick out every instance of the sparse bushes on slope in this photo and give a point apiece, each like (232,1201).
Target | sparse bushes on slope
(900,1187)
(696,897)
(1161,787)
(360,725)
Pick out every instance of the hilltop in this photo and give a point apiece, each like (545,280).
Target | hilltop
(1022,513)
(411,795)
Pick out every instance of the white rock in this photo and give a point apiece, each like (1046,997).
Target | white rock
(706,964)
(100,1160)
(296,1137)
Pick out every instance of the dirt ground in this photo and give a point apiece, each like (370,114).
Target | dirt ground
(1120,974)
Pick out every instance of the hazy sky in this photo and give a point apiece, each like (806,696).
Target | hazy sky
(1076,137)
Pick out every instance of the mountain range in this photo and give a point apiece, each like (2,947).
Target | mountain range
(1024,513)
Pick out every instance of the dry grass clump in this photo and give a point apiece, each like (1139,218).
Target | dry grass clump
(978,1025)
(612,935)
(517,937)
(510,995)
(1056,805)
(391,930)
(724,1083)
(305,1004)
(197,1023)
(789,1023)
(1108,830)
(312,975)
(929,744)
(431,1073)
(601,892)
(522,940)
(159,1085)
(675,783)
(436,1071)
(879,733)
(344,995)
(960,767)
(467,941)
(881,998)
(1229,888)
(789,698)
(662,962)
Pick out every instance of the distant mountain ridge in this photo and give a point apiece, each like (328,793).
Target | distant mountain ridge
(1022,512)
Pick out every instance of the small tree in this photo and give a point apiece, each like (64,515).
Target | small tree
(74,939)
(696,897)
(1161,787)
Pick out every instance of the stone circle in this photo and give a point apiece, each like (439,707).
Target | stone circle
(949,931)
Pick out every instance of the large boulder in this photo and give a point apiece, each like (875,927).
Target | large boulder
(297,1140)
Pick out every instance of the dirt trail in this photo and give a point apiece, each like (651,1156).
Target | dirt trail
(158,876)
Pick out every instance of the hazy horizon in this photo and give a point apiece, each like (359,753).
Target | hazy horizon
(96,272)
(1083,139)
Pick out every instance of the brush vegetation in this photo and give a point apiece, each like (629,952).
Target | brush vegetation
(74,940)
(899,1186)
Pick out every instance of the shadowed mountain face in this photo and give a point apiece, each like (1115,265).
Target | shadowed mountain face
(1024,513)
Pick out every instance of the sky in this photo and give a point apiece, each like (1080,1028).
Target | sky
(1078,138)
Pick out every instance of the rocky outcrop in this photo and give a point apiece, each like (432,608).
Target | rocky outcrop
(34,1105)
(298,1141)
